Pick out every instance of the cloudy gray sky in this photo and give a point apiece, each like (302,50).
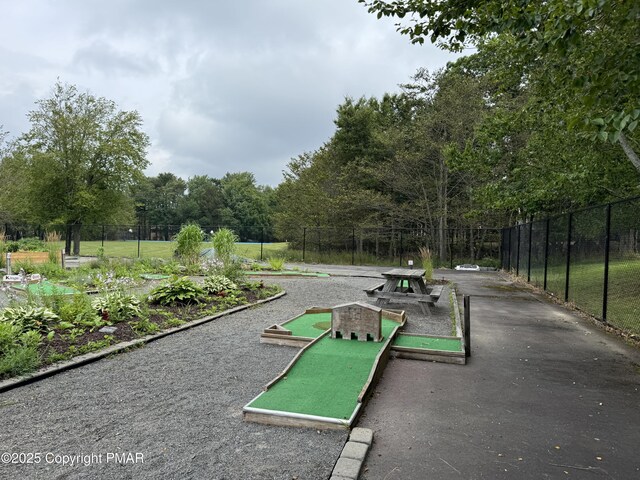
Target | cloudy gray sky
(222,86)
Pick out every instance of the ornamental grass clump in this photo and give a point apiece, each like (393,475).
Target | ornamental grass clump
(189,243)
(224,244)
(427,262)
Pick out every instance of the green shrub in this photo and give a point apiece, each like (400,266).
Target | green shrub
(19,361)
(189,243)
(51,270)
(31,244)
(118,306)
(144,326)
(9,336)
(77,310)
(18,351)
(215,284)
(177,291)
(28,317)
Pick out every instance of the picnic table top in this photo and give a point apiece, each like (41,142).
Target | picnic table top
(404,273)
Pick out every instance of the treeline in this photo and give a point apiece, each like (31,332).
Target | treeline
(528,126)
(234,201)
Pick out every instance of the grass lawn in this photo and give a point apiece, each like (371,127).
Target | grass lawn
(586,286)
(158,249)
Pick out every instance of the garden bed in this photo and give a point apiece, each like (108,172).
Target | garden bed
(63,340)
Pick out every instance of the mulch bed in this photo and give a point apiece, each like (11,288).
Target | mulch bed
(62,344)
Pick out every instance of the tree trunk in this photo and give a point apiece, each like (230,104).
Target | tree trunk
(67,240)
(628,150)
(76,238)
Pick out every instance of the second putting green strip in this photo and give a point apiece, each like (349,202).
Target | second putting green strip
(327,379)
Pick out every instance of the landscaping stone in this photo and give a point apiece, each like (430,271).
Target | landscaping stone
(361,435)
(355,451)
(347,468)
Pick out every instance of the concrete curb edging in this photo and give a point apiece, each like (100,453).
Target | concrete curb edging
(353,455)
(81,360)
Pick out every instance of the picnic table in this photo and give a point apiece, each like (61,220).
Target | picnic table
(406,285)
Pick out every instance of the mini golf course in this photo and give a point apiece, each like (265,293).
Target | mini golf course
(326,384)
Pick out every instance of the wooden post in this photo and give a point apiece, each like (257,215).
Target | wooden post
(62,257)
(467,325)
(8,263)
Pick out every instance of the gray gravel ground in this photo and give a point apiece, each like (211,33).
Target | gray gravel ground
(178,401)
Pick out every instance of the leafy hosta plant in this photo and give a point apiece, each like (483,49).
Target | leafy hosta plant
(216,284)
(177,291)
(28,318)
(117,306)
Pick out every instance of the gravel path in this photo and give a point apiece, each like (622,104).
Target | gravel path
(178,401)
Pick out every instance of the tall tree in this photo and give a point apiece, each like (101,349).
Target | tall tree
(589,49)
(246,208)
(82,154)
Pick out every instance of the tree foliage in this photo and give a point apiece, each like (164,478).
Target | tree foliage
(589,50)
(78,160)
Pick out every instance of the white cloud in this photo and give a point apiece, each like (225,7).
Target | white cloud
(221,86)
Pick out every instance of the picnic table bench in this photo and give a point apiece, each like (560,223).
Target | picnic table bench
(394,289)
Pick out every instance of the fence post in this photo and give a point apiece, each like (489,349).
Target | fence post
(466,300)
(546,254)
(518,252)
(511,230)
(566,280)
(529,259)
(139,240)
(353,246)
(261,242)
(102,238)
(304,242)
(607,245)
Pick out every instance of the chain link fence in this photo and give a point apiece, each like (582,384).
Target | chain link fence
(589,257)
(340,245)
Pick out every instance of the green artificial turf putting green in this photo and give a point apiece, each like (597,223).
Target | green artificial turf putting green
(428,343)
(47,288)
(304,326)
(327,378)
(154,276)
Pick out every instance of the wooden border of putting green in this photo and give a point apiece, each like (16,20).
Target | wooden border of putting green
(295,419)
(287,274)
(279,334)
(91,357)
(433,354)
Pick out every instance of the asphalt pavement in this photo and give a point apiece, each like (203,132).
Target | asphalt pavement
(545,395)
